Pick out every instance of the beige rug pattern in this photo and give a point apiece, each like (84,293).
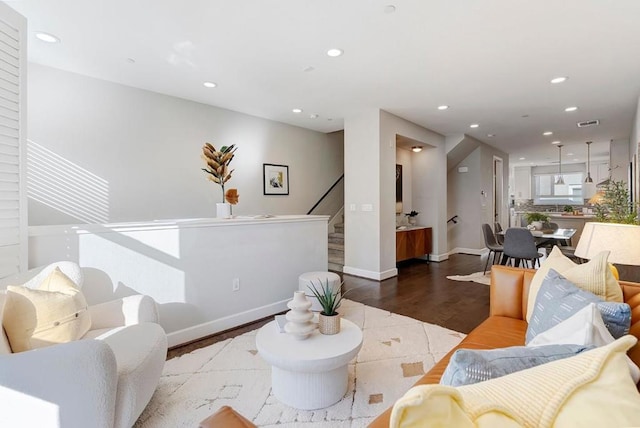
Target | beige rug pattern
(396,351)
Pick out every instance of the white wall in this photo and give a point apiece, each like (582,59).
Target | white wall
(191,279)
(462,200)
(144,150)
(362,187)
(465,198)
(634,148)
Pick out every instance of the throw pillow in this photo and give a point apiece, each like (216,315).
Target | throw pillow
(559,299)
(4,342)
(592,388)
(584,328)
(594,276)
(468,366)
(39,318)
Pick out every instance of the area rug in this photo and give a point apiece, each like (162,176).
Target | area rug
(479,277)
(396,351)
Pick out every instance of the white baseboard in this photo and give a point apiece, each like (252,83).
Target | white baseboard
(439,257)
(212,327)
(378,276)
(472,251)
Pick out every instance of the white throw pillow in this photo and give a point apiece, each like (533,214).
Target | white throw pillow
(585,328)
(55,313)
(595,276)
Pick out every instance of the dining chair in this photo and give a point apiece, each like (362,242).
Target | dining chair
(520,246)
(491,243)
(497,229)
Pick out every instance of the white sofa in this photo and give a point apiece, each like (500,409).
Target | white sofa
(104,381)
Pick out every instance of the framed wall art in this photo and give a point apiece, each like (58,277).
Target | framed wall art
(275,179)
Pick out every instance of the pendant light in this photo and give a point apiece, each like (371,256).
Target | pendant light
(559,180)
(588,188)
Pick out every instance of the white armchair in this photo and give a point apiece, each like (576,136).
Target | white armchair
(106,382)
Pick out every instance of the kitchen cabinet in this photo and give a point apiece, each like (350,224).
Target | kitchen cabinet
(413,242)
(522,182)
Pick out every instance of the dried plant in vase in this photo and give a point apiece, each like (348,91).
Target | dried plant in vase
(218,164)
(330,301)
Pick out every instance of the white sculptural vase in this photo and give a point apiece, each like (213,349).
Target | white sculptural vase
(223,210)
(300,324)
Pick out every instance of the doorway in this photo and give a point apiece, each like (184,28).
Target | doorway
(498,190)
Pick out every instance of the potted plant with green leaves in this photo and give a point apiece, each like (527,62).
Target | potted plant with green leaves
(615,205)
(536,219)
(330,300)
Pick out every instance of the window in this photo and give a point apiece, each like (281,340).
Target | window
(549,193)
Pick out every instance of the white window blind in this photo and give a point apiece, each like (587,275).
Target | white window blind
(13,216)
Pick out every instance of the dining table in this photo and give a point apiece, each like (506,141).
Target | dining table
(550,236)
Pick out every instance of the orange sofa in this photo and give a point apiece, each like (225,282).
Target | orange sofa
(506,326)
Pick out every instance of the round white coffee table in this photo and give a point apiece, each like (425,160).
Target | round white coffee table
(312,373)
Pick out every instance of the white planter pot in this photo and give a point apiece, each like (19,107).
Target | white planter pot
(223,210)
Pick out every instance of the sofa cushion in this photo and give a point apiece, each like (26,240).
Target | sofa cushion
(590,389)
(594,276)
(559,299)
(55,313)
(469,366)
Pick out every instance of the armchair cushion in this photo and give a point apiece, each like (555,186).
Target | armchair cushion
(54,313)
(128,310)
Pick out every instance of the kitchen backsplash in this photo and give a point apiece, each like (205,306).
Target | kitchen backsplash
(528,206)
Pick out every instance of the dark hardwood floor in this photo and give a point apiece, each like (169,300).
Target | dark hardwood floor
(421,291)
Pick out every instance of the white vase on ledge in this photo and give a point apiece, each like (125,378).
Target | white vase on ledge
(223,210)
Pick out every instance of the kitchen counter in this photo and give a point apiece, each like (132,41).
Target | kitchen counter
(584,216)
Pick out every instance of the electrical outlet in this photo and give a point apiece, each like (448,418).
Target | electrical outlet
(236,284)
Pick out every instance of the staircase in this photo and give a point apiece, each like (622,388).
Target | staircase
(336,248)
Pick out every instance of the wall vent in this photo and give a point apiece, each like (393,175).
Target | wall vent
(588,123)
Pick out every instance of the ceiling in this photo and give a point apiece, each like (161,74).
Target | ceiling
(491,61)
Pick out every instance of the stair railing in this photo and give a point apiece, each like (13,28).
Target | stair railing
(332,201)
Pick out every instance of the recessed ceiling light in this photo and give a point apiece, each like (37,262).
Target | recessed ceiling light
(559,79)
(555,142)
(389,8)
(572,108)
(297,110)
(443,107)
(313,116)
(416,149)
(491,135)
(46,37)
(522,158)
(210,84)
(547,133)
(474,125)
(335,52)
